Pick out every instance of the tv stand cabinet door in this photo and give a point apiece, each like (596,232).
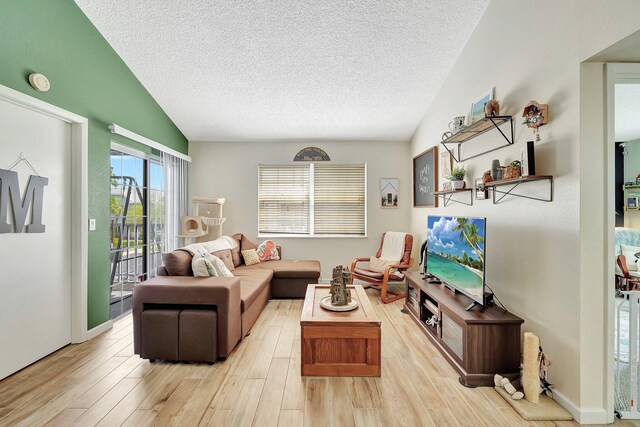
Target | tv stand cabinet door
(492,348)
(452,335)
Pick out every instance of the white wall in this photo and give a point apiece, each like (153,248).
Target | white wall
(533,248)
(230,170)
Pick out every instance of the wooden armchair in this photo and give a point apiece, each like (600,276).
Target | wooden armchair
(380,281)
(629,282)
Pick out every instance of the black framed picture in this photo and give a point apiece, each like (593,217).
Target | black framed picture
(425,178)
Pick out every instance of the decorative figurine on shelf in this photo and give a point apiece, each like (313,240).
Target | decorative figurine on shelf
(340,295)
(432,321)
(492,108)
(535,115)
(487,176)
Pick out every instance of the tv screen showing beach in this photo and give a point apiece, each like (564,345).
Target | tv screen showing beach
(455,253)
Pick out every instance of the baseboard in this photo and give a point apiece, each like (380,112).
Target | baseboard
(581,415)
(92,333)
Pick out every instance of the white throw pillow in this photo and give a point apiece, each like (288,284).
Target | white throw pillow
(202,265)
(220,267)
(629,253)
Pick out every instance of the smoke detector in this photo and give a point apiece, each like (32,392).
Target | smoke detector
(39,82)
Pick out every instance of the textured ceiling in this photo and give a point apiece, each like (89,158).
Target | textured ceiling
(269,70)
(627,112)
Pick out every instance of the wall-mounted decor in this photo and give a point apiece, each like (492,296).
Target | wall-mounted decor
(311,154)
(425,178)
(481,190)
(477,108)
(535,115)
(632,202)
(389,192)
(446,163)
(528,160)
(33,197)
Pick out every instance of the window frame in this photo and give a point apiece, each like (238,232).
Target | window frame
(312,234)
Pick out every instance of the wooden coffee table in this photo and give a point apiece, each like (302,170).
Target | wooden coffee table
(339,344)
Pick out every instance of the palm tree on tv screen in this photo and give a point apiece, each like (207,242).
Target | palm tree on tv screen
(470,233)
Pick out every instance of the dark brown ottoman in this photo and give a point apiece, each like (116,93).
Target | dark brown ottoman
(160,338)
(197,335)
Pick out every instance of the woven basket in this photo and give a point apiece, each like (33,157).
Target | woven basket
(511,172)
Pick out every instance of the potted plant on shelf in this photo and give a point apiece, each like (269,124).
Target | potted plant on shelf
(457,178)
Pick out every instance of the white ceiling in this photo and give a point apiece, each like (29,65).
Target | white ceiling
(627,112)
(287,69)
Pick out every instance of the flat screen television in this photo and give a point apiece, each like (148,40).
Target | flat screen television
(456,254)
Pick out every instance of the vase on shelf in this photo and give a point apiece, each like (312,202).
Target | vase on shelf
(457,185)
(494,169)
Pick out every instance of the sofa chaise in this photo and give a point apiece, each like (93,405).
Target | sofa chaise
(179,317)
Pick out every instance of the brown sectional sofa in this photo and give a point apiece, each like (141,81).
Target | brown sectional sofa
(180,317)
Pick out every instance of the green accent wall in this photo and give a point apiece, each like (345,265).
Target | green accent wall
(87,77)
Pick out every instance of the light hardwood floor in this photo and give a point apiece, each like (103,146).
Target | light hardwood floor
(101,382)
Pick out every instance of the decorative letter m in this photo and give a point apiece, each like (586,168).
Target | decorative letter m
(10,190)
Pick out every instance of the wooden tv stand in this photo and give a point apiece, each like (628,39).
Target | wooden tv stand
(478,343)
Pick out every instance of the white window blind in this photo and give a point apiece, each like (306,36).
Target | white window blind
(339,199)
(283,199)
(312,200)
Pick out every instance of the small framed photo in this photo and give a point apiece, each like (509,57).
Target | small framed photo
(389,192)
(481,190)
(477,108)
(632,202)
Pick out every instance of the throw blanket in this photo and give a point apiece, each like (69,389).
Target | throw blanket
(392,251)
(393,246)
(220,244)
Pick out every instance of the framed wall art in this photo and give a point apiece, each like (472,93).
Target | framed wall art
(389,192)
(477,108)
(425,178)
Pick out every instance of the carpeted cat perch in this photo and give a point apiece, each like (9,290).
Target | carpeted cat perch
(536,406)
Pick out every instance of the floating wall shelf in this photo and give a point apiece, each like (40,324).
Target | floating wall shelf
(447,196)
(494,186)
(476,129)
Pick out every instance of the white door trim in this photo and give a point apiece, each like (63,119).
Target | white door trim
(616,73)
(79,202)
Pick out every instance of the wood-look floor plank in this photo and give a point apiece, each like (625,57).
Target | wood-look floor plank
(262,361)
(341,414)
(291,418)
(295,387)
(317,402)
(178,399)
(268,410)
(364,393)
(64,418)
(107,383)
(57,396)
(164,388)
(366,417)
(216,417)
(141,418)
(247,403)
(95,413)
(146,388)
(193,412)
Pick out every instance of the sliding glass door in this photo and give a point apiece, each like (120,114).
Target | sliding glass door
(136,223)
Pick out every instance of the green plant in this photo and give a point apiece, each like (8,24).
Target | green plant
(457,174)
